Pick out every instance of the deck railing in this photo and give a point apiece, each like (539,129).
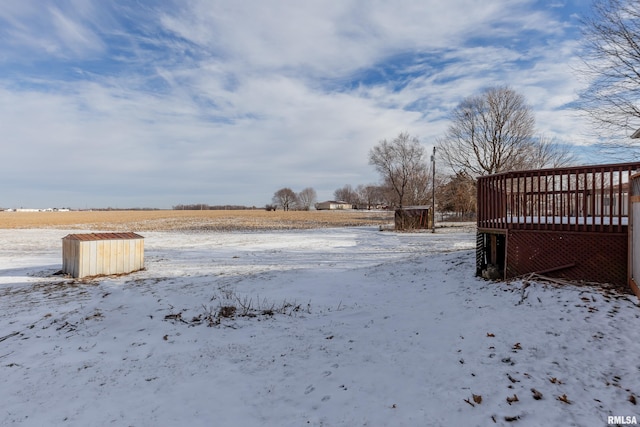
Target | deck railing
(582,198)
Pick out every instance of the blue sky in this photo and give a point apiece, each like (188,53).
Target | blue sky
(159,103)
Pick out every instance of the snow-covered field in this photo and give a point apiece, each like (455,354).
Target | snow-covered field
(332,327)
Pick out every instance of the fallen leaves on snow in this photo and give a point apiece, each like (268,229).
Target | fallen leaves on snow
(536,394)
(512,399)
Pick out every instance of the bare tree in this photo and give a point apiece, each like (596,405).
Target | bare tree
(611,57)
(543,152)
(401,163)
(489,133)
(388,195)
(369,195)
(285,198)
(346,194)
(306,198)
(418,191)
(458,195)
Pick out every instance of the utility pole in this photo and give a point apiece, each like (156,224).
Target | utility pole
(433,191)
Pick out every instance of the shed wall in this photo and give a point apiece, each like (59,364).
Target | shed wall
(413,218)
(70,257)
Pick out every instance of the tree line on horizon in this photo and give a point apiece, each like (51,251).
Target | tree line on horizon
(206,207)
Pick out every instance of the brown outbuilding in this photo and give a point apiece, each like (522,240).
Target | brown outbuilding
(413,218)
(95,254)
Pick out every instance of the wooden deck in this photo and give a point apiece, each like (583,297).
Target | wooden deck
(567,222)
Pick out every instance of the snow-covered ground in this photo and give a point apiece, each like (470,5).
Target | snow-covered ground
(368,328)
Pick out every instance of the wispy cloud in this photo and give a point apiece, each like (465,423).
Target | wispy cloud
(226,102)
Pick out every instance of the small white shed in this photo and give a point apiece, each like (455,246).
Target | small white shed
(96,254)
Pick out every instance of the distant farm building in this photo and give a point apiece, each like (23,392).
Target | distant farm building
(413,218)
(95,254)
(333,205)
(570,223)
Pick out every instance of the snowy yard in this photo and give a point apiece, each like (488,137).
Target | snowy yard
(341,327)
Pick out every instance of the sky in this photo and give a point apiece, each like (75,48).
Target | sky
(160,103)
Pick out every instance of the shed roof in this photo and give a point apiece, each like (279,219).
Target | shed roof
(103,236)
